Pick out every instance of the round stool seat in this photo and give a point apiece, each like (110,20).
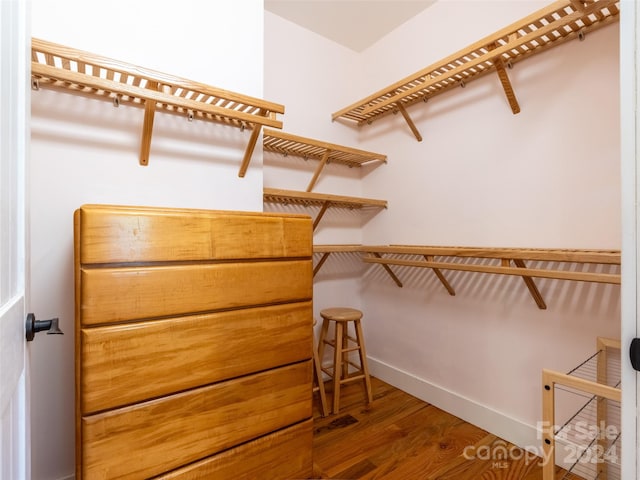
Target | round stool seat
(341,314)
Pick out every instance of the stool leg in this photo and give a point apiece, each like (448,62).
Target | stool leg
(363,361)
(337,367)
(322,341)
(318,376)
(345,351)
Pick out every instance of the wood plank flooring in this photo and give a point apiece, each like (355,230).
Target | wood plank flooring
(401,437)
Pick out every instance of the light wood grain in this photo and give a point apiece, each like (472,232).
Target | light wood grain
(67,69)
(188,352)
(113,234)
(561,23)
(524,272)
(305,147)
(281,455)
(164,100)
(87,58)
(147,126)
(543,254)
(149,438)
(129,293)
(176,311)
(253,140)
(281,195)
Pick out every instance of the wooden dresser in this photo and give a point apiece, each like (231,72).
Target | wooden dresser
(193,344)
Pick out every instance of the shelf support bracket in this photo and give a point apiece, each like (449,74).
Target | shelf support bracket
(407,119)
(440,275)
(389,271)
(531,285)
(255,133)
(321,165)
(325,205)
(147,126)
(506,83)
(323,259)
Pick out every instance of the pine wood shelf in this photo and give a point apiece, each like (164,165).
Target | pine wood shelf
(324,200)
(512,262)
(561,21)
(79,72)
(325,152)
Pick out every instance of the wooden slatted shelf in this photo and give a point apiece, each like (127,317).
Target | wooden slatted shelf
(308,148)
(324,200)
(512,262)
(553,25)
(78,72)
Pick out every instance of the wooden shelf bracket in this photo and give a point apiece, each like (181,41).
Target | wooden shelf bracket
(409,121)
(147,126)
(531,285)
(441,277)
(389,271)
(323,210)
(255,133)
(319,168)
(323,259)
(498,63)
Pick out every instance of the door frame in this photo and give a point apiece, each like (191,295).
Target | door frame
(15,46)
(630,320)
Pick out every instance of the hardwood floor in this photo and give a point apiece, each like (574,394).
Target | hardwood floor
(401,437)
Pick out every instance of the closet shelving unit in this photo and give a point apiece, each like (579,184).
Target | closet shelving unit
(82,73)
(503,261)
(324,152)
(587,440)
(553,25)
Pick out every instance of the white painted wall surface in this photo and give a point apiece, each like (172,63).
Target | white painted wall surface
(86,151)
(312,76)
(547,177)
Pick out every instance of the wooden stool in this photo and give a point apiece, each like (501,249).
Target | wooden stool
(317,377)
(340,372)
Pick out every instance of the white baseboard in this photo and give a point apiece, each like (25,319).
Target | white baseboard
(507,428)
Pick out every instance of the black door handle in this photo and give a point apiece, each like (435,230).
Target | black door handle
(634,353)
(34,326)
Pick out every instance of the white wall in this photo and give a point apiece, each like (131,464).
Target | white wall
(312,76)
(547,177)
(86,151)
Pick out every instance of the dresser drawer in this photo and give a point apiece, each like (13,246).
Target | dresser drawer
(117,234)
(125,364)
(282,455)
(120,294)
(157,436)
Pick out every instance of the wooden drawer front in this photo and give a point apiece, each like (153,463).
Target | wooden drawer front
(164,434)
(285,454)
(118,294)
(128,363)
(124,234)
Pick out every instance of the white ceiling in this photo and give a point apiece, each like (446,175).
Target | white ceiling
(356,24)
